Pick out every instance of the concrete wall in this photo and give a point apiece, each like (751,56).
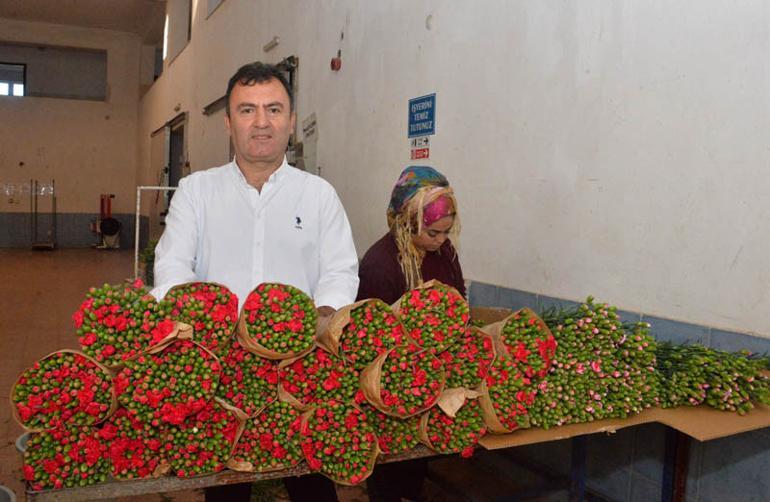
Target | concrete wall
(614,148)
(88,147)
(60,72)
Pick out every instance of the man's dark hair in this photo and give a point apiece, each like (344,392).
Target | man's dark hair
(257,73)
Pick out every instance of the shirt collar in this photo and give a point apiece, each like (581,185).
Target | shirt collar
(278,175)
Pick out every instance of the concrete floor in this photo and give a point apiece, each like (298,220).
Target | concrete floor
(39,291)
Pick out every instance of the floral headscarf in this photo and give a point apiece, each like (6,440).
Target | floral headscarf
(420,197)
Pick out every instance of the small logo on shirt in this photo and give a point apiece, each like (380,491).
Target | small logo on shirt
(298,223)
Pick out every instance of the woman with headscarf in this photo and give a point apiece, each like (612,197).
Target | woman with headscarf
(423,224)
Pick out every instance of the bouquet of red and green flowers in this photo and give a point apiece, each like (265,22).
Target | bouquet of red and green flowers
(277,322)
(248,381)
(115,323)
(468,362)
(528,341)
(394,435)
(506,396)
(317,376)
(211,309)
(169,383)
(270,440)
(64,388)
(339,442)
(403,381)
(203,443)
(456,433)
(65,458)
(362,331)
(133,447)
(434,315)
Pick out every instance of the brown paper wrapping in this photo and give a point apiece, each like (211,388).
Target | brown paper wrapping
(252,346)
(422,431)
(246,466)
(369,463)
(370,385)
(249,344)
(233,324)
(450,401)
(329,338)
(108,372)
(283,394)
(430,284)
(242,417)
(488,412)
(194,283)
(495,330)
(181,331)
(162,469)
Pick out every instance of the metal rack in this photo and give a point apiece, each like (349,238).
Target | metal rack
(38,190)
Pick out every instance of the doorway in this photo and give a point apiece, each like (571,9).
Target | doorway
(176,155)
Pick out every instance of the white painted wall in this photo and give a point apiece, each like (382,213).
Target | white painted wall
(614,148)
(88,147)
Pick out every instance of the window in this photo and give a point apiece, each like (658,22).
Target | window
(12,78)
(176,33)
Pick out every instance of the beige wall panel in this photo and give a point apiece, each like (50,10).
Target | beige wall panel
(89,147)
(609,148)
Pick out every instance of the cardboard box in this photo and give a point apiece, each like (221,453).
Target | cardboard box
(489,315)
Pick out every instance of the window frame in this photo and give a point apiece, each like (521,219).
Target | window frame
(12,82)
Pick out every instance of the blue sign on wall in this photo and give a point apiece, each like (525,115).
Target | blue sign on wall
(422,116)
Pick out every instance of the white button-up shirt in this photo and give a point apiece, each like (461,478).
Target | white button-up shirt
(295,231)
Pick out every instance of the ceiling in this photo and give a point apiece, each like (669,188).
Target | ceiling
(142,17)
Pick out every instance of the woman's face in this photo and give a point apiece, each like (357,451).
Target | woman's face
(432,237)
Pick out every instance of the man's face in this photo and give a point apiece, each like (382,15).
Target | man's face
(260,123)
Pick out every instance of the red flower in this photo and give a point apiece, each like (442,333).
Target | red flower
(50,466)
(266,441)
(521,352)
(87,339)
(351,421)
(77,318)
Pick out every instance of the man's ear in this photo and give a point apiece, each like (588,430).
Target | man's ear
(227,124)
(293,120)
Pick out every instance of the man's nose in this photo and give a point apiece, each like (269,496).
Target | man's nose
(260,118)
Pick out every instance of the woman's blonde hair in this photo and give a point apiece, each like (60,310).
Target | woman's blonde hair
(408,222)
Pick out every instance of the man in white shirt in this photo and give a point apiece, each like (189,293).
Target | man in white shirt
(256,220)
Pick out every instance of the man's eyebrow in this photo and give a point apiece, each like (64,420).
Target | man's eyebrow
(253,105)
